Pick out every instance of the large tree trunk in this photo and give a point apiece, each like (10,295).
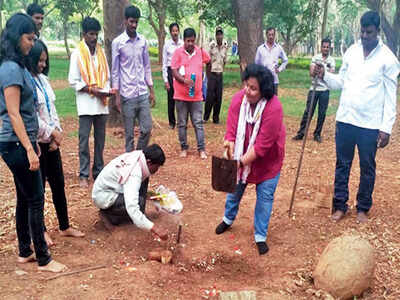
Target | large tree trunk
(113,18)
(249,22)
(324,19)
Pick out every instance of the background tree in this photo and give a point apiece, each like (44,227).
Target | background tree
(113,18)
(247,16)
(346,23)
(160,9)
(159,12)
(294,19)
(249,22)
(324,19)
(388,10)
(67,8)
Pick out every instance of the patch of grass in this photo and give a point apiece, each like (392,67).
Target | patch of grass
(292,106)
(294,78)
(59,67)
(65,102)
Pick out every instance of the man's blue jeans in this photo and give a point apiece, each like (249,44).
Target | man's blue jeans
(347,137)
(265,198)
(195,110)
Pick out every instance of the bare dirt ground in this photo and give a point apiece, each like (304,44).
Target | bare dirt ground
(205,261)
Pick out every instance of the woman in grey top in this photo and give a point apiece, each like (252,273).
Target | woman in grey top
(18,145)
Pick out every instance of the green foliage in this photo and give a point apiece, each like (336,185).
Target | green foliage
(84,8)
(153,51)
(303,63)
(217,12)
(299,63)
(294,19)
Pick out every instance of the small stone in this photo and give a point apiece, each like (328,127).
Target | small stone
(20,272)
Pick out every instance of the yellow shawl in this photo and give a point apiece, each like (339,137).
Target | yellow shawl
(92,76)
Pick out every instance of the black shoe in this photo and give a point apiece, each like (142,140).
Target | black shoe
(318,138)
(216,122)
(222,227)
(262,247)
(298,137)
(205,121)
(171,126)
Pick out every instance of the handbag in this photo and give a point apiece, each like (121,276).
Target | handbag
(224,173)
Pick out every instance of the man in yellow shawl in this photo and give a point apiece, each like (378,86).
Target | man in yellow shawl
(90,77)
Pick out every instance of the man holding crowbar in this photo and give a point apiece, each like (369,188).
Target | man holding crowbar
(366,113)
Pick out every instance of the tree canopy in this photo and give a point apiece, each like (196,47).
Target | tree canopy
(298,22)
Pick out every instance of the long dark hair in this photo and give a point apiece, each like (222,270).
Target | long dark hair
(16,26)
(34,57)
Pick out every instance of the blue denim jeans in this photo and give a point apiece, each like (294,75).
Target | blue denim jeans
(347,137)
(265,198)
(195,110)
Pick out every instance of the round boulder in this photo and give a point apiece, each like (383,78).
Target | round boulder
(346,267)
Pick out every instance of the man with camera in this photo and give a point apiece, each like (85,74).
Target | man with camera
(321,93)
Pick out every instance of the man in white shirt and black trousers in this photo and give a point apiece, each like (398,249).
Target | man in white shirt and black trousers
(120,189)
(366,113)
(168,50)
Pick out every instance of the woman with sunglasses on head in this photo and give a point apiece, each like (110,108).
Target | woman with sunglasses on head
(18,140)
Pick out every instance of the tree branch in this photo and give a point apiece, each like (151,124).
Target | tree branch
(150,18)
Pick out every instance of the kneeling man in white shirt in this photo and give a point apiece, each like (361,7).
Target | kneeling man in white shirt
(121,187)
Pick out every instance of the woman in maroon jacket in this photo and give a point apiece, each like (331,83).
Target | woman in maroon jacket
(255,134)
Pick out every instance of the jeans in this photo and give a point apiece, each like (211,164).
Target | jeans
(132,109)
(30,202)
(265,198)
(322,98)
(214,96)
(51,170)
(85,126)
(117,213)
(171,101)
(195,110)
(347,137)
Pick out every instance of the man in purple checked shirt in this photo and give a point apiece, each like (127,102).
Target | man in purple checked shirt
(131,77)
(268,55)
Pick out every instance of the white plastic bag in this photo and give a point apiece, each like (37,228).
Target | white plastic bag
(167,201)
